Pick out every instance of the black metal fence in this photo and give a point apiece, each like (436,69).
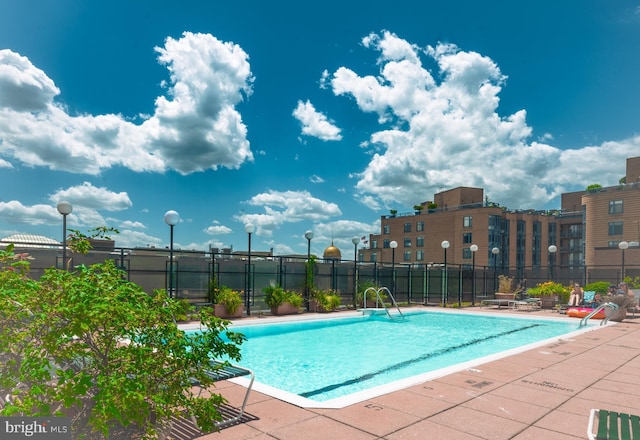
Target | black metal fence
(195,272)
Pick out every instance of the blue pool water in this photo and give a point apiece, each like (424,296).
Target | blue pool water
(328,359)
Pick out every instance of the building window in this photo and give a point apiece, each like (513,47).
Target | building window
(615,228)
(467,221)
(407,242)
(407,227)
(407,255)
(419,255)
(466,254)
(616,206)
(386,229)
(385,243)
(374,257)
(419,226)
(419,241)
(466,238)
(374,244)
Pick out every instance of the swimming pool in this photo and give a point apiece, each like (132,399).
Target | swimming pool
(334,362)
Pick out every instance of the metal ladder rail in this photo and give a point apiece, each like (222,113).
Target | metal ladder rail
(611,305)
(380,301)
(393,302)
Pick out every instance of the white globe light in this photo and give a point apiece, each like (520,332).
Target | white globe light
(64,208)
(171,218)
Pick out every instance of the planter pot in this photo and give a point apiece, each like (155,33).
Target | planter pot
(618,315)
(220,310)
(548,302)
(285,309)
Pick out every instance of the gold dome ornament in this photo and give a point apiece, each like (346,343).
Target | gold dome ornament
(332,253)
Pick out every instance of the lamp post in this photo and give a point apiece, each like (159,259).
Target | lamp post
(552,256)
(473,248)
(445,281)
(249,229)
(355,241)
(308,235)
(393,245)
(623,245)
(171,218)
(495,251)
(65,209)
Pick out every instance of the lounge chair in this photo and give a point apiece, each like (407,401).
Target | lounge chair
(612,425)
(225,371)
(501,299)
(588,298)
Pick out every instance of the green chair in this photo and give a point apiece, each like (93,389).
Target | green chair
(613,425)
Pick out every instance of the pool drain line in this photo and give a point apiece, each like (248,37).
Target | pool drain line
(408,362)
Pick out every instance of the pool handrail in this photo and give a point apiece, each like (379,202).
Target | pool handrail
(379,300)
(611,306)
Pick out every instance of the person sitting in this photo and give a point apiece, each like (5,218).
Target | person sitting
(623,289)
(575,297)
(597,300)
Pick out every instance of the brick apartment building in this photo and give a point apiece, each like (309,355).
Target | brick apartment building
(582,237)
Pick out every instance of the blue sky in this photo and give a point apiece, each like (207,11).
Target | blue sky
(293,117)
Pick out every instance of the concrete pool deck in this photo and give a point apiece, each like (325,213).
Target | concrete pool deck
(545,392)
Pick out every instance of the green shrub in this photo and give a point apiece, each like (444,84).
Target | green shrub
(601,287)
(228,297)
(184,310)
(327,299)
(367,284)
(550,288)
(90,345)
(276,295)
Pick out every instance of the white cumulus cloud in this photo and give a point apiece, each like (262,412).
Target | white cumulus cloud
(286,207)
(193,128)
(315,123)
(442,129)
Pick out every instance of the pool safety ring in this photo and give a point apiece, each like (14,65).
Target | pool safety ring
(581,312)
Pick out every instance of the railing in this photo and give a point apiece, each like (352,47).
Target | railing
(196,271)
(612,306)
(380,301)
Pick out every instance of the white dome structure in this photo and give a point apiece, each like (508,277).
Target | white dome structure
(30,240)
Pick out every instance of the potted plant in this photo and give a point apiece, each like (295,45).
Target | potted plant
(431,206)
(507,288)
(393,212)
(371,297)
(623,302)
(281,301)
(418,209)
(324,301)
(550,294)
(227,303)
